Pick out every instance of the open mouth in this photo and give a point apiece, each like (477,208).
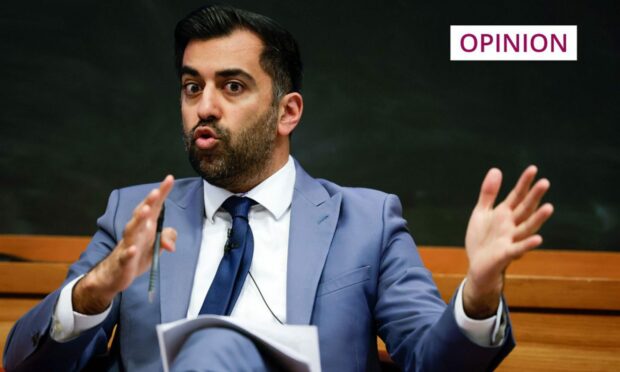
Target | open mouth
(205,138)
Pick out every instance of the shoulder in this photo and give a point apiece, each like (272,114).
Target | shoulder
(355,193)
(361,198)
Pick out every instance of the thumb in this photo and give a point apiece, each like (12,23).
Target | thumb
(168,239)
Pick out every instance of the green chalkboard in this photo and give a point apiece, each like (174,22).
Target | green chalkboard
(90,103)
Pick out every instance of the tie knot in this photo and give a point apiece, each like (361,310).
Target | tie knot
(238,206)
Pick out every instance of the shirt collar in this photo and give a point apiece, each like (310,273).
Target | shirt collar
(274,194)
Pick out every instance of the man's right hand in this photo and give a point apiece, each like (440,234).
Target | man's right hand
(130,258)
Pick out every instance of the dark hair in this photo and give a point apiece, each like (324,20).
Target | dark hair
(280,57)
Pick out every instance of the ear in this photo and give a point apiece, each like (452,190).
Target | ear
(291,108)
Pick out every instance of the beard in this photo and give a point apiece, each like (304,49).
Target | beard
(239,158)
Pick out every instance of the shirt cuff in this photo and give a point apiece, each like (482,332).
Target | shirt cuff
(483,332)
(68,324)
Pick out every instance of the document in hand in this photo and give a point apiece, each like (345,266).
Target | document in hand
(296,347)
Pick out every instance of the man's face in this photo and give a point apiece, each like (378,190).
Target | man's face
(229,117)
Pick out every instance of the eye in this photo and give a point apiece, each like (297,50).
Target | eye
(233,87)
(191,89)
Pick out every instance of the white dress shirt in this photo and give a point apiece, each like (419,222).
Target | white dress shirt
(270,223)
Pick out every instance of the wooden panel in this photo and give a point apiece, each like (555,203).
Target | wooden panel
(521,291)
(448,260)
(545,279)
(31,278)
(559,342)
(447,284)
(542,279)
(44,247)
(547,292)
(554,263)
(563,292)
(533,357)
(383,354)
(12,309)
(5,327)
(587,330)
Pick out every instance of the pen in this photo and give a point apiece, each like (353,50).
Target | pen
(156,248)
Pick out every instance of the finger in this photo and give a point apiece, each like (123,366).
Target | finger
(154,200)
(518,193)
(490,188)
(146,213)
(525,209)
(166,185)
(168,239)
(148,200)
(520,248)
(138,220)
(140,215)
(534,223)
(152,197)
(164,189)
(156,197)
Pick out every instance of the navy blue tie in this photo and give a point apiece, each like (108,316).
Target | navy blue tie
(235,264)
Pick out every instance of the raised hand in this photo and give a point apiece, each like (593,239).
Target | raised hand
(130,258)
(498,235)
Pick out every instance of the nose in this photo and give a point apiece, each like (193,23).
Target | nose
(209,106)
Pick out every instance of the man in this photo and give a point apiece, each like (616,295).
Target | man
(338,258)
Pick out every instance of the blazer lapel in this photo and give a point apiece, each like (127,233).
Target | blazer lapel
(184,212)
(314,216)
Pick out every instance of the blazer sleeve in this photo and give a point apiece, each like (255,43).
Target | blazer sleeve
(29,346)
(419,330)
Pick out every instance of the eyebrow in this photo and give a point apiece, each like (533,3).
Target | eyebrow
(235,72)
(186,70)
(231,72)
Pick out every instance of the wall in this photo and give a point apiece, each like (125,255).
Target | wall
(90,103)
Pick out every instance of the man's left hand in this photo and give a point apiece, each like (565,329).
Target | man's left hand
(498,235)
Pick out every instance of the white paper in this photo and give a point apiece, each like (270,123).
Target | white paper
(295,346)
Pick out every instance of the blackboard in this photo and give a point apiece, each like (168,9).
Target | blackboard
(90,103)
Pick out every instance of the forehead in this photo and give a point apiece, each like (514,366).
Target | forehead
(241,49)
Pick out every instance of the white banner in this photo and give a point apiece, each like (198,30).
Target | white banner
(513,43)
